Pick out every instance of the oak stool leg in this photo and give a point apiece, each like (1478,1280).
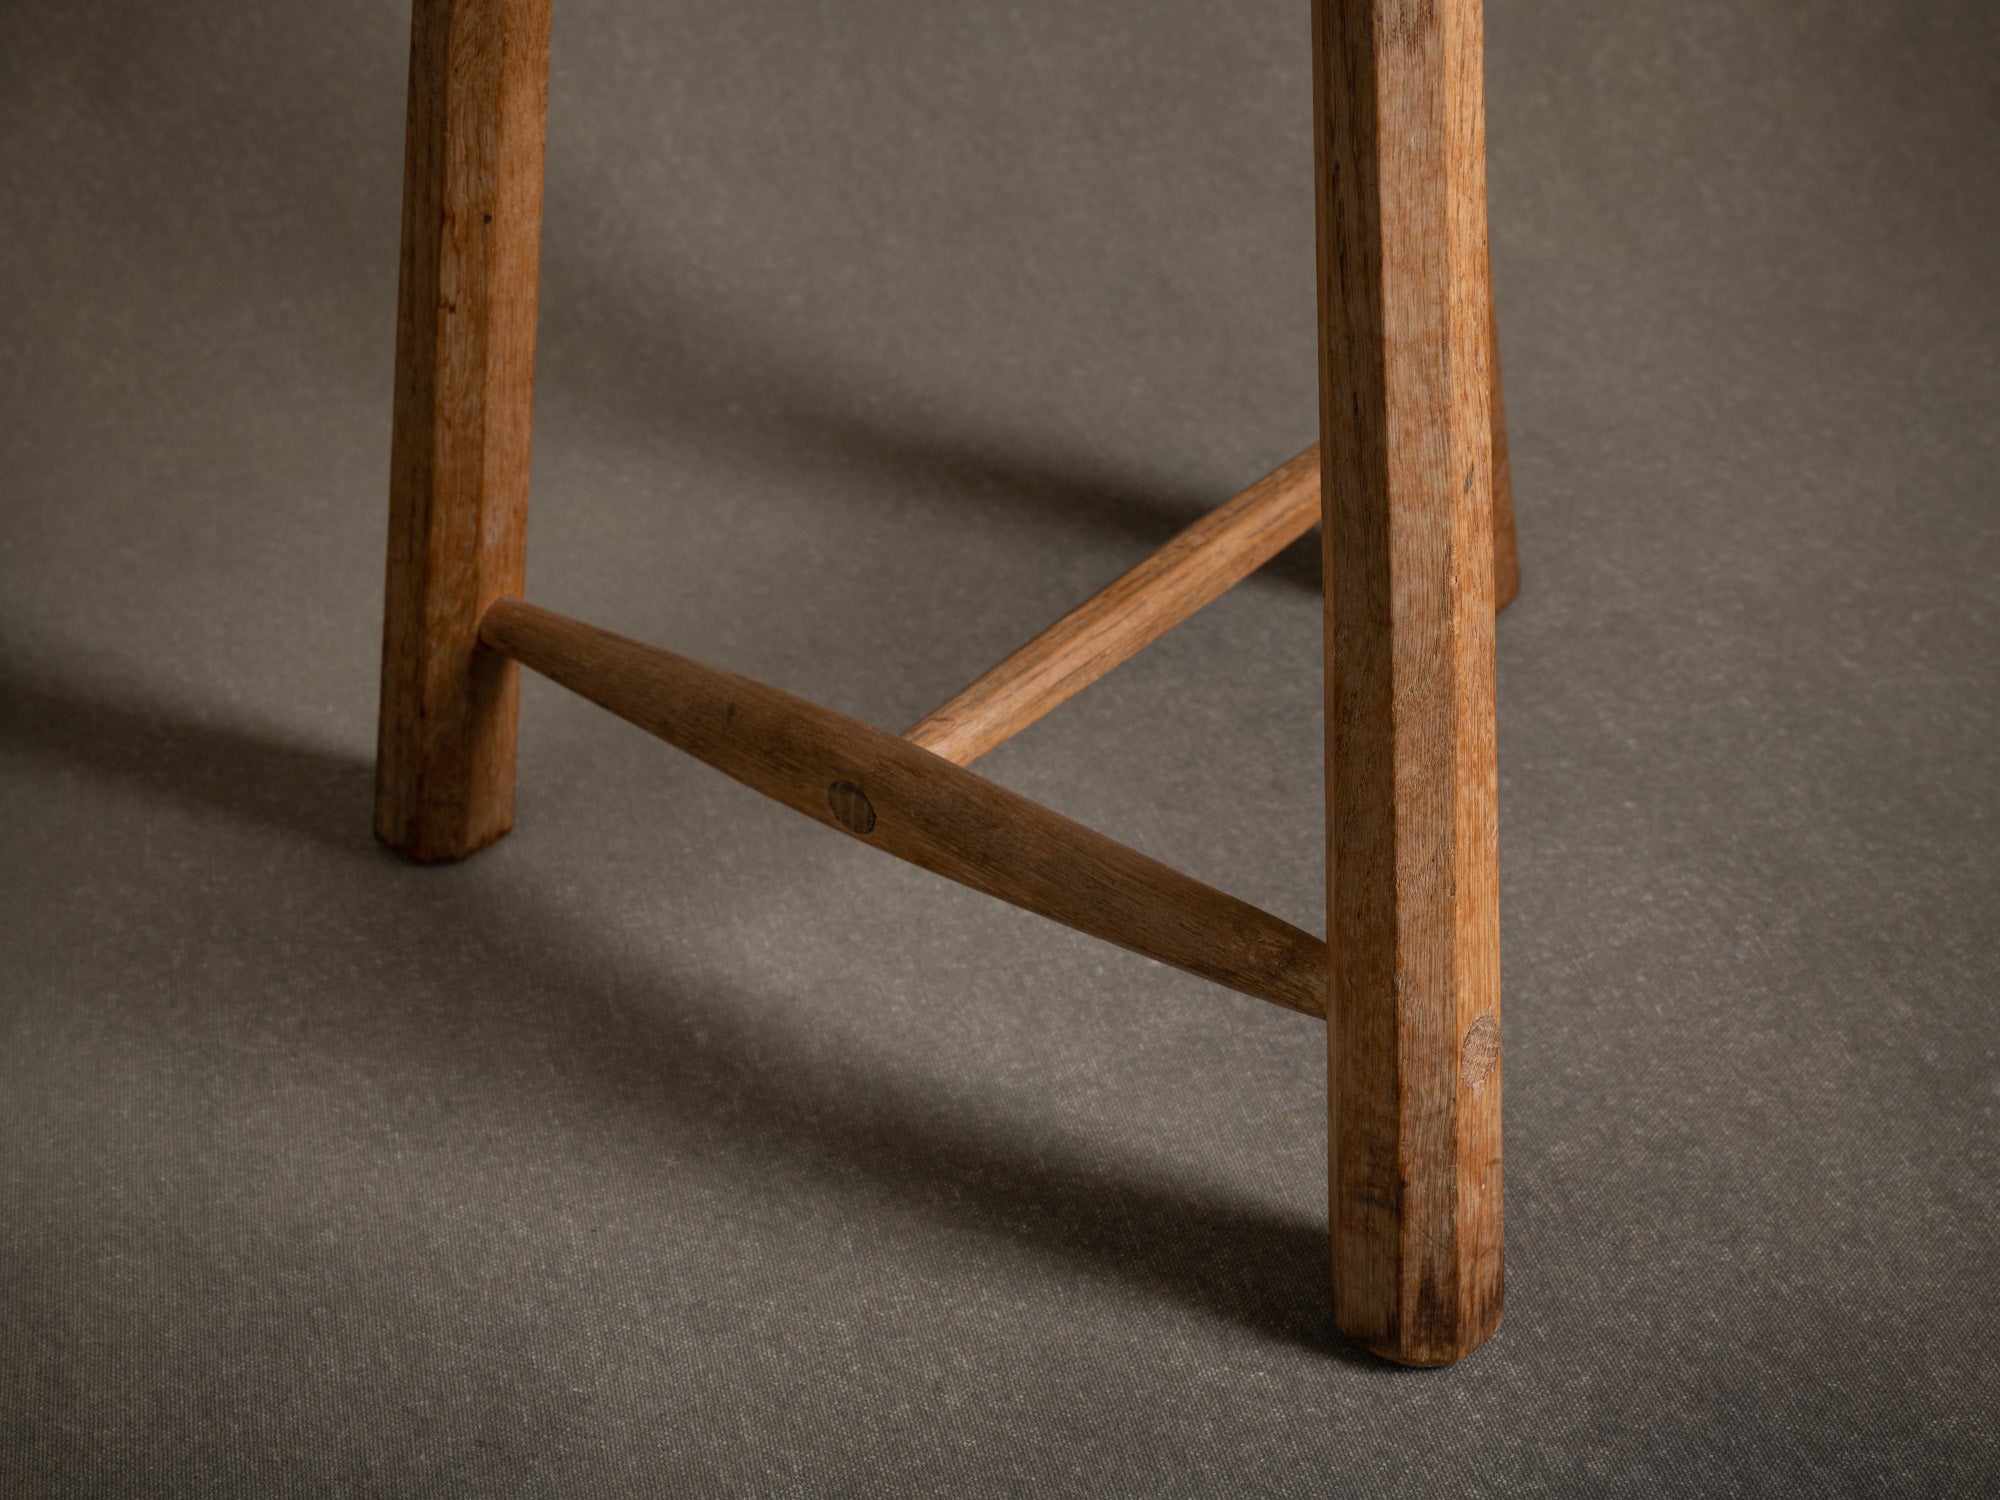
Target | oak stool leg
(465,355)
(1414,984)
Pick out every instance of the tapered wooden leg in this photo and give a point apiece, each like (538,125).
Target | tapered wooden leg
(1414,989)
(465,353)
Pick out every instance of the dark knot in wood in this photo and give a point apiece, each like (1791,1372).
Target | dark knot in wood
(851,806)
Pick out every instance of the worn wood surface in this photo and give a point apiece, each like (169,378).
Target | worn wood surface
(1413,1035)
(900,798)
(1194,569)
(1190,572)
(458,488)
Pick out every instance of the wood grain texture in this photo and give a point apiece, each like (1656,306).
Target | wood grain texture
(458,489)
(1506,546)
(1196,568)
(1414,1060)
(1192,571)
(899,797)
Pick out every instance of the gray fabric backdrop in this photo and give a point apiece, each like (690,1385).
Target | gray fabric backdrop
(678,1146)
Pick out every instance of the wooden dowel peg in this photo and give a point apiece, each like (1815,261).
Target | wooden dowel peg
(1196,568)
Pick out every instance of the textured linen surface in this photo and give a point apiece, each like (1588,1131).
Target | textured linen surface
(678,1146)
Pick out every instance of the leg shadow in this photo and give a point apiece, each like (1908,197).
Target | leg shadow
(188,760)
(664,363)
(726,1073)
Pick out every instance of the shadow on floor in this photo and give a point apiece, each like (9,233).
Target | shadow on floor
(666,365)
(719,1072)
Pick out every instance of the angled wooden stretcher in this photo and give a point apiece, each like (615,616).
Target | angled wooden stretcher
(1409,479)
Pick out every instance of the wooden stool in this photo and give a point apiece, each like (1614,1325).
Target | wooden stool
(1409,478)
